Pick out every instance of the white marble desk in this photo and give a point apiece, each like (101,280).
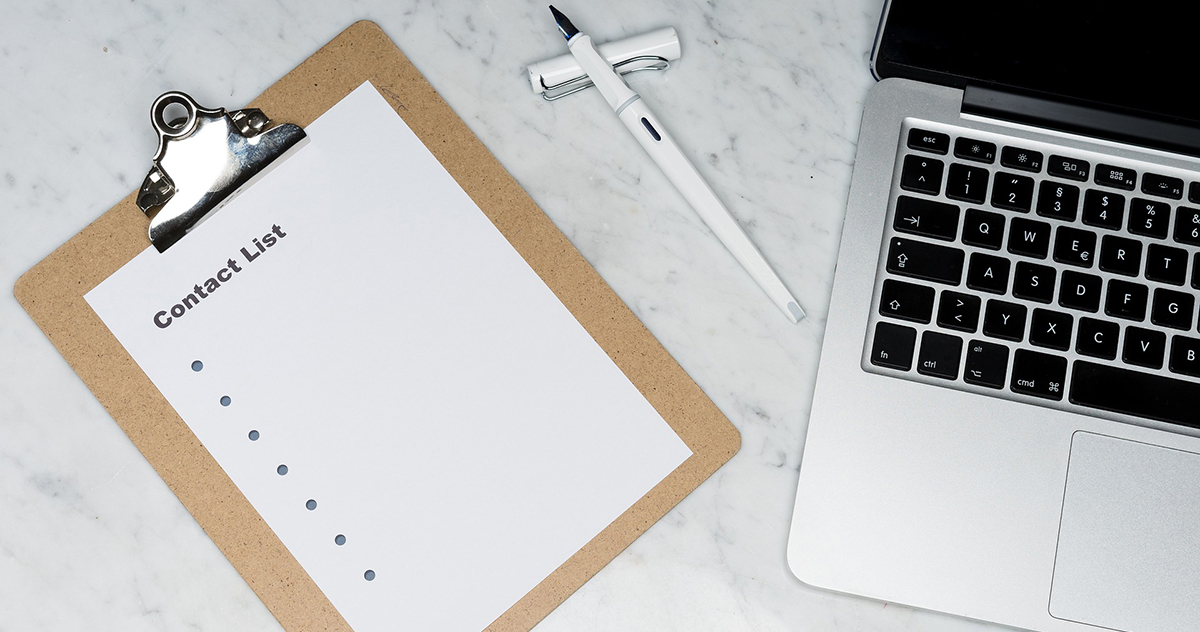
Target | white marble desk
(767,99)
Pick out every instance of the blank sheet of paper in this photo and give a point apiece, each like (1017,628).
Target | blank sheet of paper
(387,381)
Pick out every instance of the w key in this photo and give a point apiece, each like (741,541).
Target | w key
(926,217)
(907,257)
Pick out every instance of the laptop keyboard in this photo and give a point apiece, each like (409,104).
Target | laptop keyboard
(1038,273)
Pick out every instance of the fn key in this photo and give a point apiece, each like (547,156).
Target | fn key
(893,346)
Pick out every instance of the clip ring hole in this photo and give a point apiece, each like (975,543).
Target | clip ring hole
(174,115)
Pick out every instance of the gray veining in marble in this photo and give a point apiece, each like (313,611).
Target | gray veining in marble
(766,99)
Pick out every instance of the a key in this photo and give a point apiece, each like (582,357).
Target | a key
(921,216)
(921,174)
(1187,225)
(1074,246)
(1185,356)
(1004,320)
(1172,309)
(1069,168)
(1104,209)
(1023,159)
(1038,374)
(1034,282)
(983,228)
(1119,177)
(1079,291)
(1164,186)
(1029,238)
(988,273)
(958,311)
(940,354)
(975,150)
(1012,192)
(986,365)
(968,184)
(1166,264)
(893,346)
(906,301)
(924,140)
(1135,393)
(1058,200)
(1126,300)
(1149,218)
(1144,347)
(1120,255)
(1051,329)
(1097,338)
(908,257)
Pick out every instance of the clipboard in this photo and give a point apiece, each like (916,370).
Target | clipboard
(52,293)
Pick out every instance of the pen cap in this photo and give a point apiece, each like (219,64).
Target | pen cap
(557,77)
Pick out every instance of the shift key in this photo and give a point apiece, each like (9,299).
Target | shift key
(912,258)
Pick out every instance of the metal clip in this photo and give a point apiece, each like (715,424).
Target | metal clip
(626,67)
(205,158)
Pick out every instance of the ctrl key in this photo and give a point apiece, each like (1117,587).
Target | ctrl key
(893,346)
(1039,374)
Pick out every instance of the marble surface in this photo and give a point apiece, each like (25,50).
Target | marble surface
(766,99)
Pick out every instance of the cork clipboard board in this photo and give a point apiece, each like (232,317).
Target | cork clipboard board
(52,293)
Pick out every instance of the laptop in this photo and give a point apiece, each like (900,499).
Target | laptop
(1006,421)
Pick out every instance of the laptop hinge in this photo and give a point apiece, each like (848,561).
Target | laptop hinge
(1082,119)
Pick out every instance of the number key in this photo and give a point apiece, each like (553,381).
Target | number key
(1056,200)
(1187,226)
(1012,192)
(1149,218)
(968,184)
(1103,209)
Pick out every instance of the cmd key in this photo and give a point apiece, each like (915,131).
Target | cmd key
(911,258)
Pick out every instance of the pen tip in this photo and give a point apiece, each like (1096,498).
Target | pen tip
(564,25)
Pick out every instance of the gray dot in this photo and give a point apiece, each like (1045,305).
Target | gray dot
(311,504)
(254,435)
(197,365)
(282,469)
(225,401)
(339,539)
(369,575)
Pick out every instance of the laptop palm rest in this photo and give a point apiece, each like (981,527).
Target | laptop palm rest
(1128,552)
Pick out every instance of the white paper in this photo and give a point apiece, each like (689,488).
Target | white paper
(448,415)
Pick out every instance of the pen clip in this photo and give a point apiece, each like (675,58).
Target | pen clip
(556,91)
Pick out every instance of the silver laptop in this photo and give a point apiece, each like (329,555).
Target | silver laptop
(1006,423)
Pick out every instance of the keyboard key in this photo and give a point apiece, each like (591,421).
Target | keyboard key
(1187,226)
(1172,309)
(893,346)
(1097,338)
(1023,159)
(1069,168)
(940,354)
(1034,282)
(1038,374)
(1074,246)
(968,184)
(1029,238)
(1058,200)
(921,216)
(1149,218)
(1185,356)
(1194,193)
(983,229)
(1120,255)
(1163,186)
(1144,347)
(1118,177)
(921,174)
(1051,329)
(1166,264)
(987,364)
(1104,209)
(906,301)
(1080,291)
(920,260)
(1012,192)
(924,140)
(1004,320)
(1126,300)
(958,311)
(975,150)
(1196,271)
(1135,393)
(988,273)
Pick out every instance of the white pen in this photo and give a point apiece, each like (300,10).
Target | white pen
(679,170)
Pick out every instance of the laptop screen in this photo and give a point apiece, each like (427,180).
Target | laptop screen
(1137,57)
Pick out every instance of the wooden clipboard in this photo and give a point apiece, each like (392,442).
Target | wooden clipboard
(52,292)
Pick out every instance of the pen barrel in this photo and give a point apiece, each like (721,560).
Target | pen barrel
(650,133)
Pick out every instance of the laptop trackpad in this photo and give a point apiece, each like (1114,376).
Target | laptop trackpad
(1128,550)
